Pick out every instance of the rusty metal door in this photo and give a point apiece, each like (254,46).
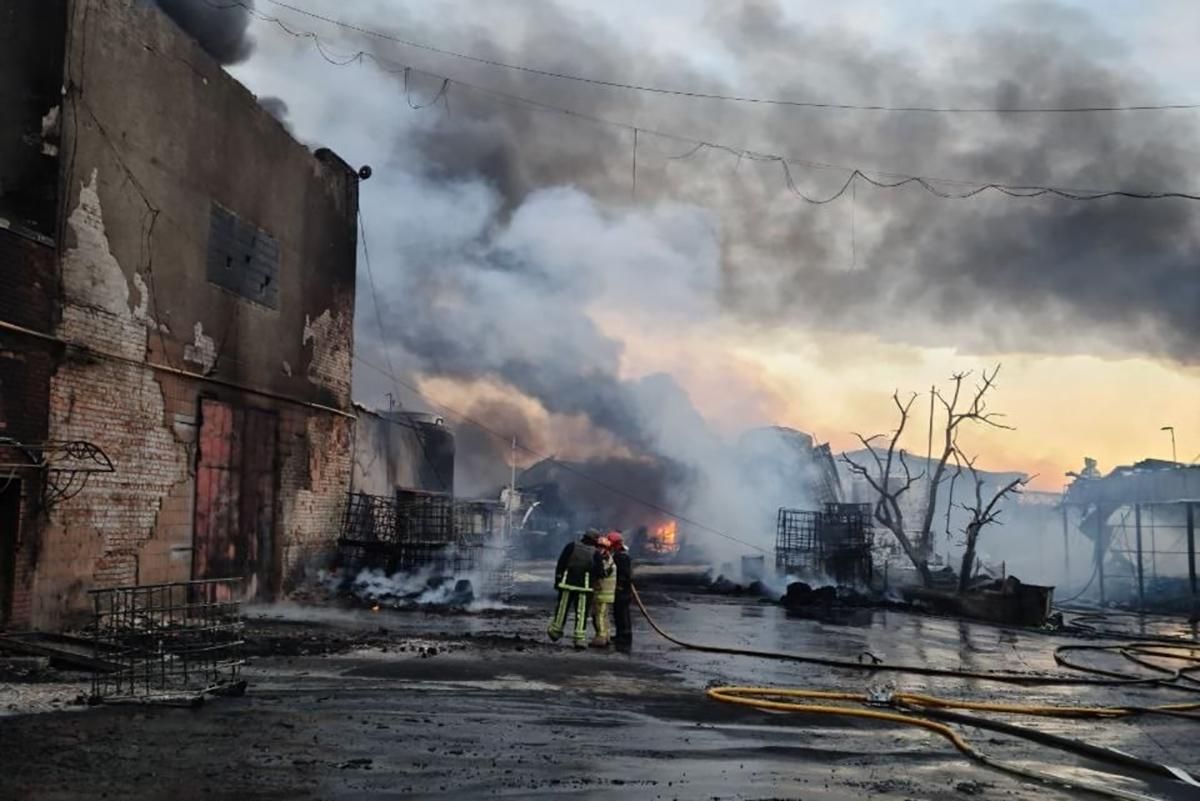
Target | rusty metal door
(235,496)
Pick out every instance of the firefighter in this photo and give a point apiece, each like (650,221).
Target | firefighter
(575,576)
(606,589)
(624,591)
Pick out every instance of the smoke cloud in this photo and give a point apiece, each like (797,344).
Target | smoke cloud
(221,29)
(990,272)
(520,254)
(277,108)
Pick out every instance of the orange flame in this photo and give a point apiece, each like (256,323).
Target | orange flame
(664,538)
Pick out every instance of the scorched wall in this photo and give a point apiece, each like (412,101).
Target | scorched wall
(202,325)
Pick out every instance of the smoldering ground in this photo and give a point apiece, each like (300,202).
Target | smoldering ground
(515,249)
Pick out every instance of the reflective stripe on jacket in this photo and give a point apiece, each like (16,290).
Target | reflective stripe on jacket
(606,587)
(575,572)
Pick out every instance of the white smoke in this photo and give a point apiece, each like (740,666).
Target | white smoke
(567,301)
(428,587)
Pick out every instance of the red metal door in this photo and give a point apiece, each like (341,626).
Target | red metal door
(257,514)
(235,496)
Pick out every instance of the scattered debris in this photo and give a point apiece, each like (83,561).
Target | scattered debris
(1007,601)
(60,650)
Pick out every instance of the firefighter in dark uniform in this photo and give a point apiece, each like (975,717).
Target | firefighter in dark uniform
(575,577)
(624,595)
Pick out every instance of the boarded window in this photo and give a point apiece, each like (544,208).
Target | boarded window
(243,258)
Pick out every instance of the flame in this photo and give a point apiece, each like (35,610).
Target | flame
(664,538)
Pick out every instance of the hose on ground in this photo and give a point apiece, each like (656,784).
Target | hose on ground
(1105,678)
(768,698)
(908,708)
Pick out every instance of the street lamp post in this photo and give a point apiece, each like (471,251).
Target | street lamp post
(1174,459)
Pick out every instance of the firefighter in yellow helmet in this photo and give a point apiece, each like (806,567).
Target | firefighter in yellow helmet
(606,593)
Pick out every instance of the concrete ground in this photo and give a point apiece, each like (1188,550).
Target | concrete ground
(390,705)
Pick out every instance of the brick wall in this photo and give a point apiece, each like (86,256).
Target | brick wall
(27,278)
(140,292)
(96,538)
(315,463)
(331,337)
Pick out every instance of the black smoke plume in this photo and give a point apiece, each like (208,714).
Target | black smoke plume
(219,27)
(512,300)
(990,272)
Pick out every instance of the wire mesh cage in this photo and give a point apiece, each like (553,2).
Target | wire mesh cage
(369,518)
(498,579)
(424,516)
(847,542)
(836,542)
(797,548)
(177,641)
(415,531)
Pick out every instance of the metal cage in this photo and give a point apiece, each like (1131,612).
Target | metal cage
(835,542)
(175,641)
(414,531)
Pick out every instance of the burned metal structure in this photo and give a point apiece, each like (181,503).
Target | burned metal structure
(168,642)
(413,531)
(1141,520)
(835,542)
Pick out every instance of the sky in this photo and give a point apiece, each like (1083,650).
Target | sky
(521,277)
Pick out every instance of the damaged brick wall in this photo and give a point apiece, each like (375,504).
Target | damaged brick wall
(331,337)
(95,539)
(27,279)
(158,136)
(314,482)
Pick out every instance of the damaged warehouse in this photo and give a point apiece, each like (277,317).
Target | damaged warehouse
(1140,521)
(565,495)
(179,294)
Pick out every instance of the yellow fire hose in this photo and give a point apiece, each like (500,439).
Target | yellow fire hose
(900,707)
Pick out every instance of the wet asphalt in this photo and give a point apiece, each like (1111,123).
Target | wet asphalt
(415,705)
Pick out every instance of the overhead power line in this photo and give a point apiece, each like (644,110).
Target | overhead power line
(879,178)
(699,95)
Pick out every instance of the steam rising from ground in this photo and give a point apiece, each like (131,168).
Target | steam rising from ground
(423,588)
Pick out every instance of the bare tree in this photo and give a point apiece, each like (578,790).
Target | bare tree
(981,516)
(888,511)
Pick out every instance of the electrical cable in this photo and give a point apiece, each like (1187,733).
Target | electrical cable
(927,183)
(387,353)
(766,101)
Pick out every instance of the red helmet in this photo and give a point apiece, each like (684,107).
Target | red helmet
(615,539)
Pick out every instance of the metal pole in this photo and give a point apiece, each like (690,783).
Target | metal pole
(1153,545)
(1191,537)
(1066,548)
(1137,526)
(1101,547)
(512,493)
(1174,458)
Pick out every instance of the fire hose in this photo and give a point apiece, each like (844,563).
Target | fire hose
(918,710)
